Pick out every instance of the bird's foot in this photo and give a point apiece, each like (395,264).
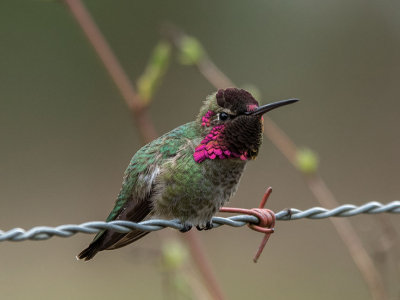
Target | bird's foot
(209,225)
(186,227)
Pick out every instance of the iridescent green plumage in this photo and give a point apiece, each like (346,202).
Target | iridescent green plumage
(189,172)
(147,158)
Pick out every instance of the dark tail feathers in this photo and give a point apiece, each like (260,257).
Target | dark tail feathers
(89,252)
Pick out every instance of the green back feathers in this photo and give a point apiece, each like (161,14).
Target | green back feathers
(154,153)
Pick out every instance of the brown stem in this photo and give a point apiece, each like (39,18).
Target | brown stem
(280,139)
(388,246)
(213,74)
(143,123)
(350,238)
(114,69)
(320,190)
(203,264)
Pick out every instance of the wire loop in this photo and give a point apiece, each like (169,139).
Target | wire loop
(266,220)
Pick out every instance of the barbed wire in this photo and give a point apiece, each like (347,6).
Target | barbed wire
(67,230)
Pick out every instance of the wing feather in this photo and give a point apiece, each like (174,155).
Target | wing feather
(134,201)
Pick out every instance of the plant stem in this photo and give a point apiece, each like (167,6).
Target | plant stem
(114,69)
(315,183)
(143,123)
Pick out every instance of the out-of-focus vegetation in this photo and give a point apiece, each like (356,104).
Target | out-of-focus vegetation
(66,138)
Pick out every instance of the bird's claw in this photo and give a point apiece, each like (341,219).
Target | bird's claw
(186,228)
(209,225)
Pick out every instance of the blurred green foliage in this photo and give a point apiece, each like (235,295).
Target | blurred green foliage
(174,255)
(155,70)
(174,258)
(191,51)
(307,161)
(66,137)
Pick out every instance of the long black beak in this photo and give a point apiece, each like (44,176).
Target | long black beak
(267,107)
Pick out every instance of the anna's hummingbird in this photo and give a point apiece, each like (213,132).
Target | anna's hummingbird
(191,171)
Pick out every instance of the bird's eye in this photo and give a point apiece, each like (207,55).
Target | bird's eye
(223,116)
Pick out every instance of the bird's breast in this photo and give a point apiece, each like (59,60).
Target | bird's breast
(193,191)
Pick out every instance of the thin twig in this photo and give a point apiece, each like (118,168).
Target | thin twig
(213,74)
(388,246)
(318,187)
(114,69)
(280,139)
(350,238)
(143,122)
(204,266)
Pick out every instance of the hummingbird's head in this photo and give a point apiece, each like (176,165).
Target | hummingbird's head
(232,123)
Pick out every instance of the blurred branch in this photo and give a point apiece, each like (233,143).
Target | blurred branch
(136,105)
(178,278)
(288,148)
(351,239)
(191,52)
(144,124)
(388,247)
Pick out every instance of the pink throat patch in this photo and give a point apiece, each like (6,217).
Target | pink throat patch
(205,120)
(212,146)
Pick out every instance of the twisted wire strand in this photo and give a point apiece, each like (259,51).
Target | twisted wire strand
(67,230)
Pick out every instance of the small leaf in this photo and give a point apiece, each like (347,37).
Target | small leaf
(307,161)
(174,255)
(155,70)
(191,51)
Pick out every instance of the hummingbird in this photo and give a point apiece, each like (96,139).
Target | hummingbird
(191,171)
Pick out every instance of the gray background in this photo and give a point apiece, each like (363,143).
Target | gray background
(66,137)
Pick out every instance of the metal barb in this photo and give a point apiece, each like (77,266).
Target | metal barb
(266,220)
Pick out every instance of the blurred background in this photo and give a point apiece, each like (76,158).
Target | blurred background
(66,137)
